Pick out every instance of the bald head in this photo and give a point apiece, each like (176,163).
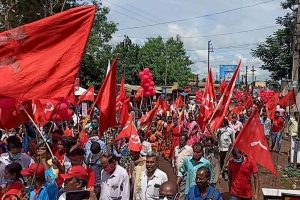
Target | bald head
(168,188)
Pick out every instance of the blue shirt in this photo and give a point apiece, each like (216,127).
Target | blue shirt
(49,190)
(212,193)
(189,169)
(87,146)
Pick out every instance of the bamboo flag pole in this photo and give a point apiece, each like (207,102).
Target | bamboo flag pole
(52,155)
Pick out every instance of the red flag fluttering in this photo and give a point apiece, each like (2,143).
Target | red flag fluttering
(222,87)
(128,129)
(106,99)
(88,95)
(271,105)
(288,100)
(139,94)
(179,102)
(149,115)
(38,66)
(252,142)
(209,98)
(124,112)
(218,115)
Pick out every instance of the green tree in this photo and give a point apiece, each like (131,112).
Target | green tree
(168,56)
(276,51)
(128,54)
(14,13)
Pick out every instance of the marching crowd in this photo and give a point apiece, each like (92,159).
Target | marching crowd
(66,165)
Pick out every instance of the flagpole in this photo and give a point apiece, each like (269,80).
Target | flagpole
(38,130)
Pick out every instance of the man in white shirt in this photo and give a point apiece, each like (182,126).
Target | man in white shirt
(267,125)
(235,124)
(14,146)
(151,179)
(114,180)
(226,137)
(181,152)
(146,146)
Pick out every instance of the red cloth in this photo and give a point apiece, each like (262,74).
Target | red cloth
(88,95)
(121,98)
(252,142)
(241,175)
(128,129)
(13,190)
(106,99)
(288,99)
(208,105)
(278,124)
(91,178)
(220,111)
(35,63)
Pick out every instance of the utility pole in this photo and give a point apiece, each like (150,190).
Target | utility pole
(209,50)
(253,70)
(246,76)
(296,48)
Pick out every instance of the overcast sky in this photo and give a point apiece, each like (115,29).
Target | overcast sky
(198,21)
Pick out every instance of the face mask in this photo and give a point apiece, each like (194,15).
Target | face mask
(109,170)
(14,156)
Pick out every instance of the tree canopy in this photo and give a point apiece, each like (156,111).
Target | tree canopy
(277,50)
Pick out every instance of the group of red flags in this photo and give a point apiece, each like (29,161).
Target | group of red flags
(39,72)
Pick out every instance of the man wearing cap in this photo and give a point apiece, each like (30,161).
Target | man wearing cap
(114,180)
(75,180)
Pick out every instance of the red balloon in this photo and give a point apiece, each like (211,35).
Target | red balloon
(147,94)
(69,114)
(152,83)
(56,118)
(146,85)
(141,74)
(146,70)
(63,106)
(145,77)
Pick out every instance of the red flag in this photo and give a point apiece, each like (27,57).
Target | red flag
(128,129)
(288,100)
(83,138)
(271,105)
(124,112)
(106,99)
(208,97)
(134,141)
(179,102)
(12,114)
(139,94)
(252,141)
(68,132)
(149,115)
(218,115)
(248,101)
(222,87)
(88,95)
(122,94)
(237,109)
(42,59)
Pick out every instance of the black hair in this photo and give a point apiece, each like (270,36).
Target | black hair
(44,144)
(198,145)
(95,147)
(76,152)
(15,168)
(226,123)
(111,157)
(205,169)
(185,137)
(15,141)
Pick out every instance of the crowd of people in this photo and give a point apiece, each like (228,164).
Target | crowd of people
(66,165)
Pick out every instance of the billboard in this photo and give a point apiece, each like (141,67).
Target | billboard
(227,71)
